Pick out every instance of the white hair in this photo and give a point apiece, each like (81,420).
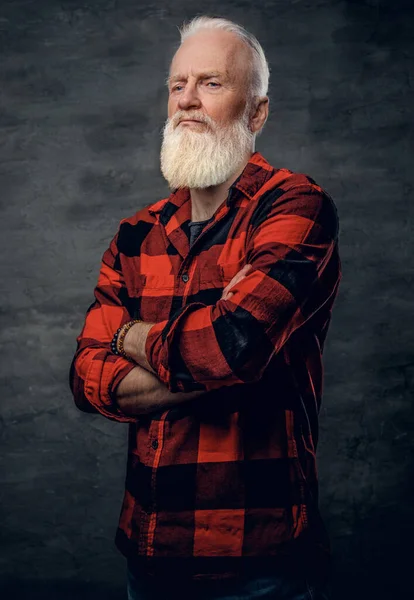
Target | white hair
(259,68)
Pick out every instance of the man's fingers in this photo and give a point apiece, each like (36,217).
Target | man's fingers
(232,283)
(238,277)
(245,269)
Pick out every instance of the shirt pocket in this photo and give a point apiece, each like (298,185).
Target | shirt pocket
(219,276)
(155,293)
(157,284)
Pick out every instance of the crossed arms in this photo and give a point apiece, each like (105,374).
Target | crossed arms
(294,271)
(140,391)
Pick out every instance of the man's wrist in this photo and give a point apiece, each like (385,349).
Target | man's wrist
(134,344)
(117,344)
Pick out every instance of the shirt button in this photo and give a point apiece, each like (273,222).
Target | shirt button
(155,444)
(185,277)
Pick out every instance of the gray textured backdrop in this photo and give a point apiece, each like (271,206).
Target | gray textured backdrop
(82,105)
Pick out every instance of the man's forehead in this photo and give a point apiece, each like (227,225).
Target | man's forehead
(208,51)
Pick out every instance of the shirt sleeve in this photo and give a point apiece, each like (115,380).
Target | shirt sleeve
(95,371)
(292,247)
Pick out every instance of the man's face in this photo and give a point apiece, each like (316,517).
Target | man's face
(210,75)
(207,137)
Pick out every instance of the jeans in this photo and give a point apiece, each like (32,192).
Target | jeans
(268,587)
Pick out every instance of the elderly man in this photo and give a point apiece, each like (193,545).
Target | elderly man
(206,336)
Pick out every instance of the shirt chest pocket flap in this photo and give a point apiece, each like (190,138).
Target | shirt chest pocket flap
(219,275)
(154,284)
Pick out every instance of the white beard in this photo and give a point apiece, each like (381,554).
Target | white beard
(206,156)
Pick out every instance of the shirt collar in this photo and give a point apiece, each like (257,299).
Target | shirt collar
(253,177)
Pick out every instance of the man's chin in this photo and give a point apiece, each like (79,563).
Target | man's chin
(191,132)
(177,184)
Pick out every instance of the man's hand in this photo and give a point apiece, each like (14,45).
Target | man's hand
(226,295)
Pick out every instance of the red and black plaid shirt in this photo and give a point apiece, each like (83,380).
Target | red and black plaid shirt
(227,480)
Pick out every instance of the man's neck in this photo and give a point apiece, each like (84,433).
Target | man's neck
(205,202)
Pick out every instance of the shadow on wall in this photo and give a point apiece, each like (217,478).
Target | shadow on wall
(60,590)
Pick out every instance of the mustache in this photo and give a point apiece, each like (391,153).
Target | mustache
(183,115)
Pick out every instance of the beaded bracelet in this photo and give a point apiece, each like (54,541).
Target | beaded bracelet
(117,344)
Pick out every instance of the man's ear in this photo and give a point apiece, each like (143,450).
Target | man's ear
(260,114)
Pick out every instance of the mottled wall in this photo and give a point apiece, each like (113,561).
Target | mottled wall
(82,105)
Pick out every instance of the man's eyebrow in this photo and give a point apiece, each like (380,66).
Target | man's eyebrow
(171,79)
(204,75)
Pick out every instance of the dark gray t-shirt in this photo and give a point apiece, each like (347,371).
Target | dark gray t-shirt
(196,228)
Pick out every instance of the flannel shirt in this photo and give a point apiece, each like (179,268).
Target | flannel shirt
(227,481)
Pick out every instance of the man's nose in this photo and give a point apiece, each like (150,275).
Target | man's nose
(189,97)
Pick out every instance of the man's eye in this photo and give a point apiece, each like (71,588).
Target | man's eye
(177,88)
(213,84)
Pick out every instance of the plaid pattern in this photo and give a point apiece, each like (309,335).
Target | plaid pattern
(228,479)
